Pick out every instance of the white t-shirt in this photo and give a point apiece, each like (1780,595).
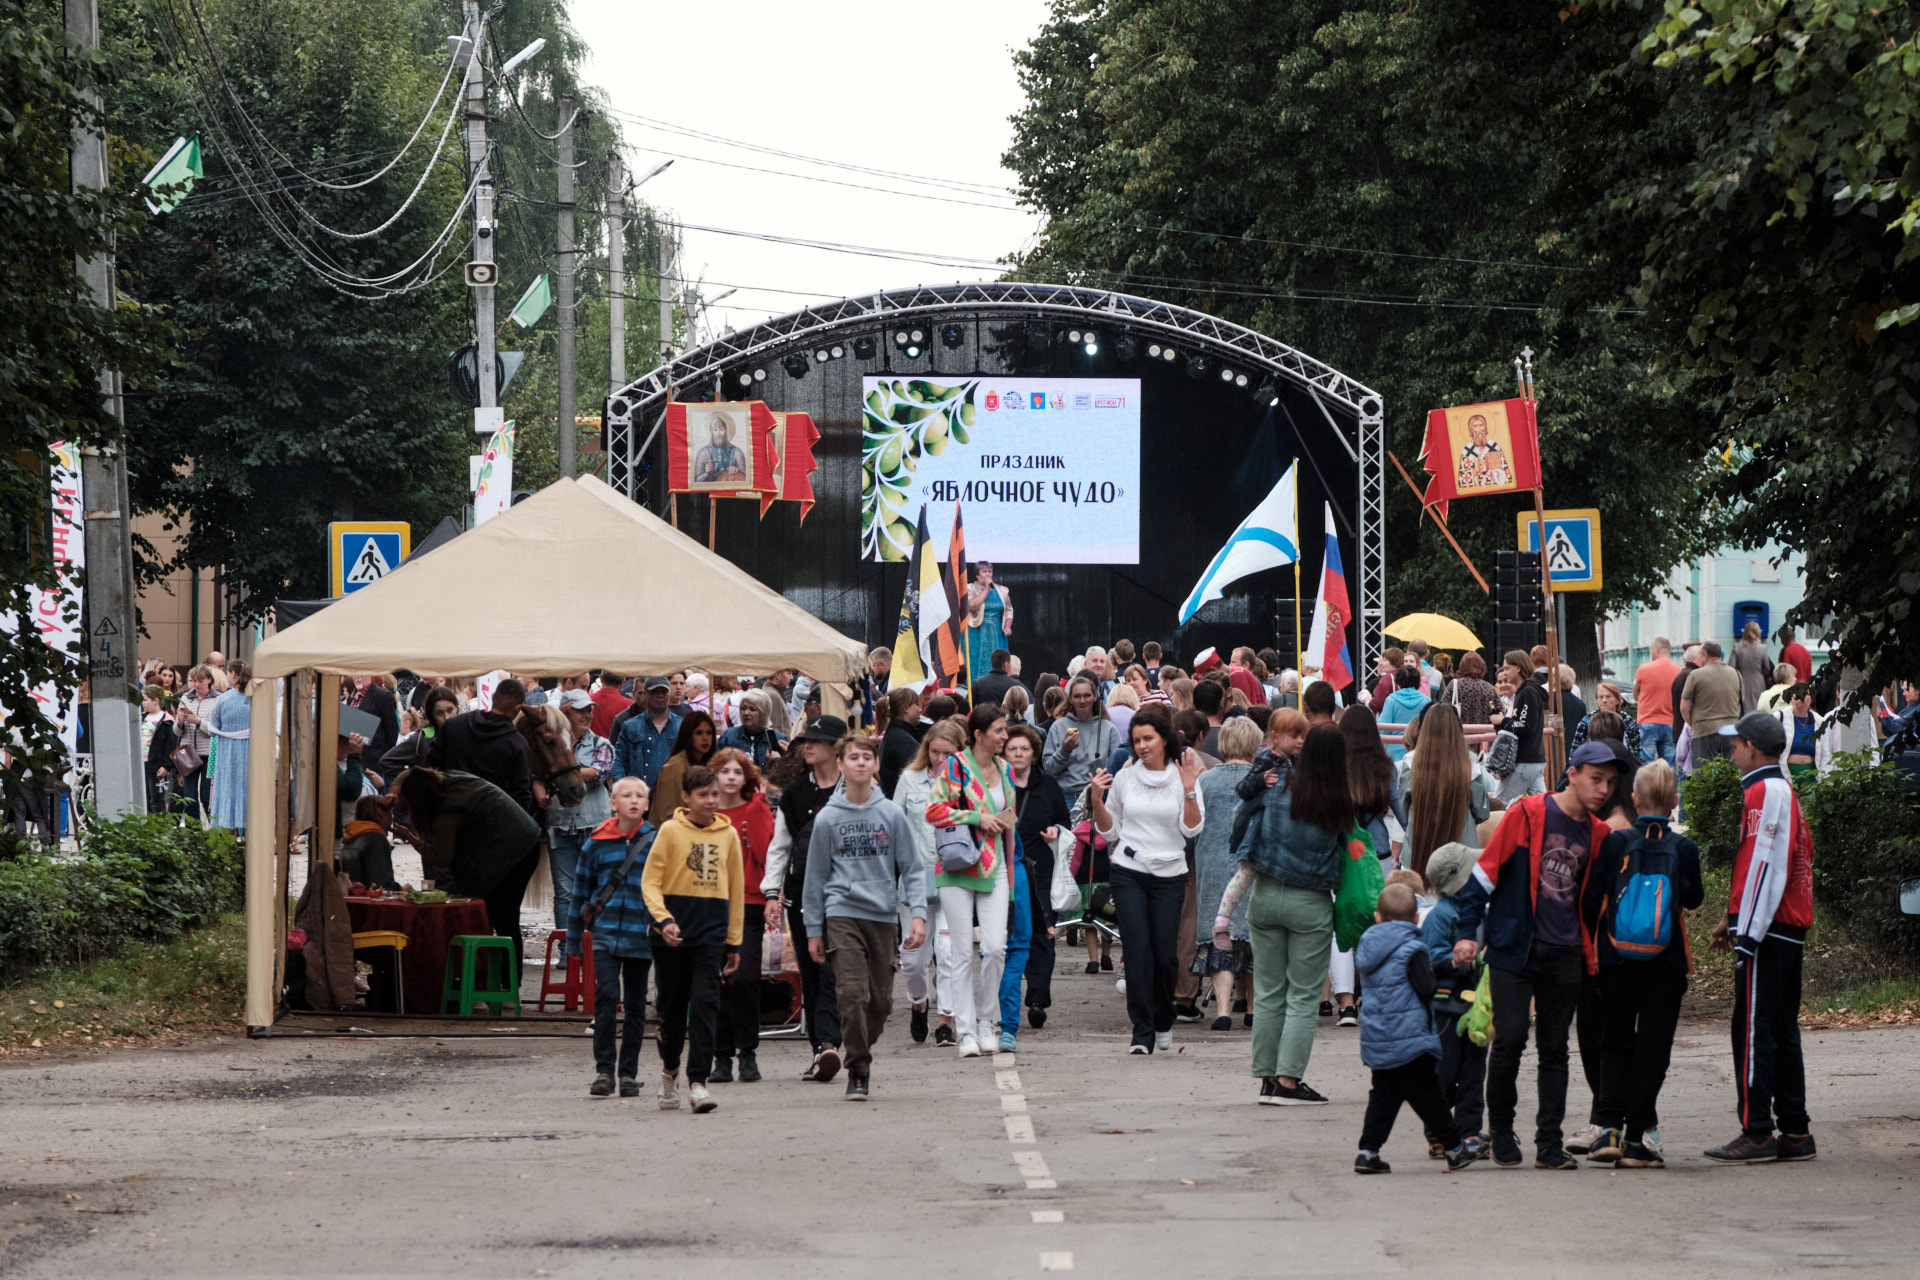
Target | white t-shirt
(1148,810)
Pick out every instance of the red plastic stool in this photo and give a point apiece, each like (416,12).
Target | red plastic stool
(576,989)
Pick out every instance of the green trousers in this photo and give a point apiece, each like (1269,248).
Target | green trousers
(1292,934)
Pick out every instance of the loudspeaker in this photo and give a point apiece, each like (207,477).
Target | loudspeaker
(1508,636)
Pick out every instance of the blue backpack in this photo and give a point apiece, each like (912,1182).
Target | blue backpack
(1643,915)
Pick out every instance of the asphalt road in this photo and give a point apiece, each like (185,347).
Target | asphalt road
(482,1158)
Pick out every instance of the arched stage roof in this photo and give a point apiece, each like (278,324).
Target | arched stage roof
(1357,412)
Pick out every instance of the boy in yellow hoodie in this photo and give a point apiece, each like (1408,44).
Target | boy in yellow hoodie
(695,890)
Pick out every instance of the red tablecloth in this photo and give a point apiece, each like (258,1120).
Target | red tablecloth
(428,926)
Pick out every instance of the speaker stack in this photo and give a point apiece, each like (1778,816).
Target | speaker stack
(1517,621)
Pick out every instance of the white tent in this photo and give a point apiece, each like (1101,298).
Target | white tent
(575,577)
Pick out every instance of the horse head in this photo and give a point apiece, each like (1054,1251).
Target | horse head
(550,747)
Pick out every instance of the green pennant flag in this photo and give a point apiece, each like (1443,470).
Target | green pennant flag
(177,170)
(533,303)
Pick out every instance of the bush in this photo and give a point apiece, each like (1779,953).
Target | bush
(1714,803)
(1866,840)
(143,878)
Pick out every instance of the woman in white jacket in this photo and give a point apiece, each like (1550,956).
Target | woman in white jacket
(942,740)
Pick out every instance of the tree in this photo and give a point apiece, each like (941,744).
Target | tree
(55,340)
(1309,169)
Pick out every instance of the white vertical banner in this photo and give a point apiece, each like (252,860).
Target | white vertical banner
(493,489)
(59,615)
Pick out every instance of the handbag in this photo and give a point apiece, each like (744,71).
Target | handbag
(955,848)
(1361,881)
(1504,756)
(185,761)
(1065,892)
(1477,1023)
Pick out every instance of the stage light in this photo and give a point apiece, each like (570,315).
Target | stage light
(746,379)
(1093,344)
(836,350)
(1073,337)
(1199,366)
(953,335)
(910,341)
(1240,380)
(865,347)
(795,365)
(1226,374)
(1153,350)
(759,375)
(1267,394)
(823,355)
(1169,354)
(1126,347)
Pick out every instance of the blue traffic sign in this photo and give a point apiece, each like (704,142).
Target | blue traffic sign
(361,552)
(1573,546)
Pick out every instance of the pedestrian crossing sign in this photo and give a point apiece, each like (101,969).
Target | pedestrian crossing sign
(1573,546)
(362,552)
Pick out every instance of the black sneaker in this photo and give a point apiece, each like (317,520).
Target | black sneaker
(1606,1148)
(1106,964)
(812,1067)
(1301,1095)
(602,1086)
(856,1086)
(917,1025)
(1269,1091)
(827,1065)
(1370,1162)
(1506,1151)
(943,1034)
(749,1067)
(722,1071)
(1792,1148)
(1638,1155)
(1746,1149)
(629,1087)
(1036,1016)
(1556,1161)
(1326,1008)
(1093,966)
(1247,1018)
(1436,1151)
(1462,1156)
(1186,1013)
(1349,1016)
(1223,1023)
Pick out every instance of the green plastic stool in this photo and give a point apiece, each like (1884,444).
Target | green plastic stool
(463,986)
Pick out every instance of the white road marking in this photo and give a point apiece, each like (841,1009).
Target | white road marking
(1003,1060)
(1056,1262)
(1013,1103)
(1019,1129)
(1031,1164)
(1049,1215)
(1042,1184)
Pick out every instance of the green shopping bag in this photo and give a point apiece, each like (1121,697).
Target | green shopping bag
(1476,1024)
(1361,881)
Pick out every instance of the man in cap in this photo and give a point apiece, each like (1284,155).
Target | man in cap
(786,881)
(1527,885)
(1768,913)
(569,829)
(644,741)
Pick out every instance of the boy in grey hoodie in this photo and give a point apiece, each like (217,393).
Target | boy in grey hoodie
(862,864)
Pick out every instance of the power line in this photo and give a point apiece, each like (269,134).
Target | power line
(834,182)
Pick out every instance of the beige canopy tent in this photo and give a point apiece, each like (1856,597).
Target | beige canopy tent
(574,578)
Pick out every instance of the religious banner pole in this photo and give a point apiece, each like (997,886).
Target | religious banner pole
(1557,740)
(1453,541)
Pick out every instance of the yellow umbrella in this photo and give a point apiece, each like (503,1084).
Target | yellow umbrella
(1436,629)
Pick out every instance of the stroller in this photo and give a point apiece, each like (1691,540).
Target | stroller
(1088,861)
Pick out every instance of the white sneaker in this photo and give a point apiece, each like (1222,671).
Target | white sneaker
(702,1100)
(1163,1040)
(1120,985)
(969,1047)
(1650,1139)
(1582,1142)
(669,1091)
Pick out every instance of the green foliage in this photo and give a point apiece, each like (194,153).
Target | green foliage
(1392,188)
(143,878)
(903,420)
(1715,804)
(54,341)
(1866,840)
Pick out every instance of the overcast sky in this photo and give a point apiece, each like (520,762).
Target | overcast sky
(912,91)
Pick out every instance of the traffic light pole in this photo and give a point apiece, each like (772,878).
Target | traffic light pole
(563,267)
(1556,723)
(616,272)
(486,353)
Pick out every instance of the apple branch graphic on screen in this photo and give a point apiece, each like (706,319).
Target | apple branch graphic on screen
(903,420)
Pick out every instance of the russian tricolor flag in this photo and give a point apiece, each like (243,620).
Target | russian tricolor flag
(1327,641)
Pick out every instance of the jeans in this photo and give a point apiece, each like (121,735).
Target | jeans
(1186,989)
(1291,932)
(1656,743)
(564,850)
(1710,747)
(610,973)
(819,1012)
(1768,1071)
(1040,949)
(925,961)
(737,1029)
(1549,983)
(689,978)
(1147,911)
(1642,1010)
(1415,1084)
(970,976)
(1019,946)
(1525,780)
(864,954)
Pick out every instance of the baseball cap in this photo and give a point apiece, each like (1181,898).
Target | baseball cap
(1449,866)
(658,682)
(824,729)
(1759,728)
(1593,753)
(577,699)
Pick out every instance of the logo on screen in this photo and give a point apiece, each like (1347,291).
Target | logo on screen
(1083,401)
(1109,402)
(1039,399)
(1059,400)
(1014,400)
(993,401)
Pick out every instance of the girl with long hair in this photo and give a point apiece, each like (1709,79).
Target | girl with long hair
(693,746)
(737,1029)
(973,790)
(1446,797)
(943,740)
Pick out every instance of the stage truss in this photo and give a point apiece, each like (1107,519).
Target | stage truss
(634,413)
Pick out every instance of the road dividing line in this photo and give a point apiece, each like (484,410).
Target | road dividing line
(1031,1164)
(1056,1262)
(1049,1215)
(1020,1129)
(1008,1081)
(1003,1060)
(1013,1104)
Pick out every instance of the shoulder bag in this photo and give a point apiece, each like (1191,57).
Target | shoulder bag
(596,906)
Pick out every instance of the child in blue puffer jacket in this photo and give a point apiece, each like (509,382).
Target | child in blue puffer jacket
(1463,1064)
(1397,1039)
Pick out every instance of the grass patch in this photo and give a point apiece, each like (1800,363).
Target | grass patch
(191,985)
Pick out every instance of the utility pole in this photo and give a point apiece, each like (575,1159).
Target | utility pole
(563,265)
(666,294)
(616,271)
(119,787)
(483,224)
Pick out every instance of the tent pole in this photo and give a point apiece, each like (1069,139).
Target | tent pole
(713,510)
(326,814)
(262,881)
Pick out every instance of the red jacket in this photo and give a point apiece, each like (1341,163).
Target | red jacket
(1773,870)
(754,821)
(1505,886)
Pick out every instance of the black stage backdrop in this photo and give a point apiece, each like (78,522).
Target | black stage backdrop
(1209,453)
